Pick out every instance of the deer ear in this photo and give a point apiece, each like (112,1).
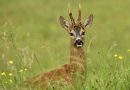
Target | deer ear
(88,22)
(64,23)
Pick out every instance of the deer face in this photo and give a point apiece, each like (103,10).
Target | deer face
(77,36)
(76,30)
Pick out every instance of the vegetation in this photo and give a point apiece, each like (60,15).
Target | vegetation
(32,41)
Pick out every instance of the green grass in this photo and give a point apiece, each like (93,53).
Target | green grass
(31,36)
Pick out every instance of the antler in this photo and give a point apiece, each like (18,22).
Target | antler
(72,19)
(70,15)
(79,17)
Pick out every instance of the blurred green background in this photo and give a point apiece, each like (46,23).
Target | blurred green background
(31,36)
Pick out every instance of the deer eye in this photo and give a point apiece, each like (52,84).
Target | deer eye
(83,33)
(71,34)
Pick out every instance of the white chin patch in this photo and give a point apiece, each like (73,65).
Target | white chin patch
(79,46)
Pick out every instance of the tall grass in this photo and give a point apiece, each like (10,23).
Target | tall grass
(32,41)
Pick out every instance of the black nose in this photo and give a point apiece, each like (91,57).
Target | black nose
(78,42)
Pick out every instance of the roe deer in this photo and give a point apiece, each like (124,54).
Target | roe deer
(66,72)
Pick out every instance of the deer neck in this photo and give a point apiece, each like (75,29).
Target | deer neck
(77,55)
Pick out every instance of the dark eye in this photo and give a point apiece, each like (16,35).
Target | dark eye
(83,33)
(71,34)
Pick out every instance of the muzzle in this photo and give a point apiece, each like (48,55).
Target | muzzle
(78,43)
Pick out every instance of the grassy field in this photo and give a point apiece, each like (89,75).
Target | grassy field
(32,41)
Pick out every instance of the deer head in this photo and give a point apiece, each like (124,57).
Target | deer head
(77,29)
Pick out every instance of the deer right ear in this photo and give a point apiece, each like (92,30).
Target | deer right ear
(88,22)
(64,23)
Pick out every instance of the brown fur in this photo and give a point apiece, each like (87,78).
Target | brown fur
(65,73)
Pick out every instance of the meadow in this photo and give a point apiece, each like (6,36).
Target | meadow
(32,41)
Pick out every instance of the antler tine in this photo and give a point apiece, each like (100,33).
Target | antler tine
(71,18)
(79,17)
(70,15)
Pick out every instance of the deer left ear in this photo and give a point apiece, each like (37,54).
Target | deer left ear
(64,23)
(88,22)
